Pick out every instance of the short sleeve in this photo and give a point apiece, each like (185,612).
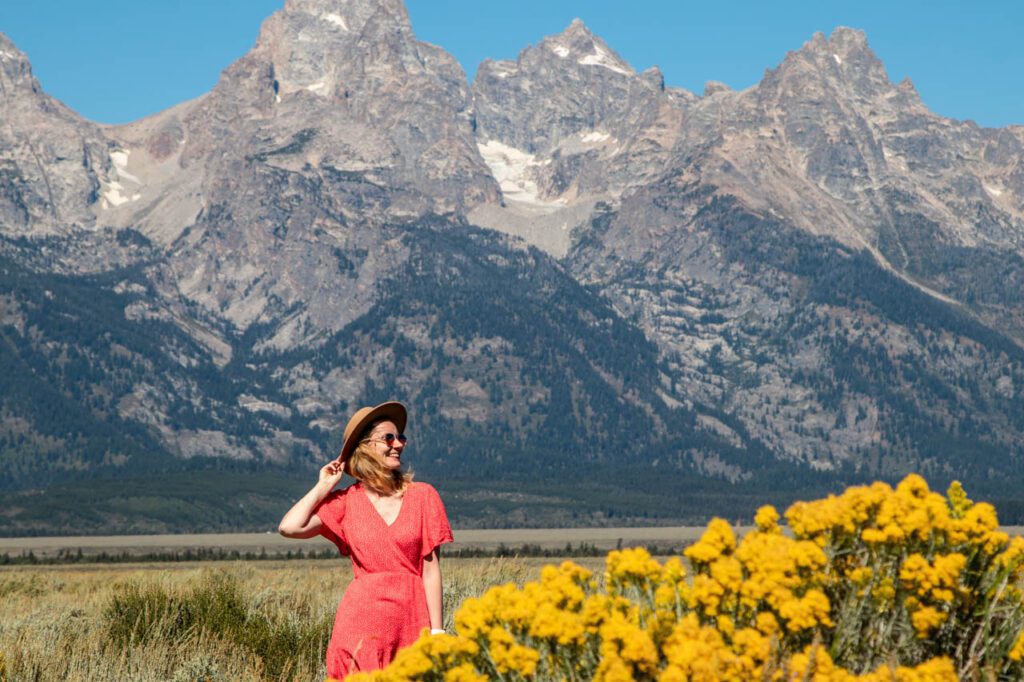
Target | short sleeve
(331,511)
(436,530)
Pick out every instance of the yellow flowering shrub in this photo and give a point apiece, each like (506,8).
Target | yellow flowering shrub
(876,584)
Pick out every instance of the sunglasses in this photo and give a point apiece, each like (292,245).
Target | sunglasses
(390,438)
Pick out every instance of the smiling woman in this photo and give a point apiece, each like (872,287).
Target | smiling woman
(391,528)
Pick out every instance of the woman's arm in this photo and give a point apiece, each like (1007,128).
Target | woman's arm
(300,521)
(432,586)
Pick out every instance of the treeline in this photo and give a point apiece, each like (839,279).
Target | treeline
(173,556)
(64,557)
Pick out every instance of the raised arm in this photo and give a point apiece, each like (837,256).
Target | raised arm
(300,521)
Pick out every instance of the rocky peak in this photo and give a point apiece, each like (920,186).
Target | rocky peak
(352,16)
(655,77)
(578,46)
(336,123)
(15,69)
(845,42)
(323,46)
(51,160)
(843,63)
(321,65)
(569,84)
(566,126)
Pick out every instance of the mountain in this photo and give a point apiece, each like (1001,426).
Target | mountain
(54,164)
(567,126)
(798,251)
(570,271)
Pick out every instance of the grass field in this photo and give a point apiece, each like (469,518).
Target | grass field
(238,620)
(264,620)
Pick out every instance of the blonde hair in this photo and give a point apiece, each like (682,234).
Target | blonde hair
(365,466)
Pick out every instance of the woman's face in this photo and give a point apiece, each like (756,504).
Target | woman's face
(387,443)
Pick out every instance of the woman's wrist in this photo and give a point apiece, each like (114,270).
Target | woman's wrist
(322,489)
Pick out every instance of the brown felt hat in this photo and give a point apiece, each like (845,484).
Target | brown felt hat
(365,416)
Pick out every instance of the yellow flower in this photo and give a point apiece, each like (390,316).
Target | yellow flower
(884,591)
(861,576)
(707,594)
(718,539)
(766,623)
(697,653)
(1012,558)
(806,612)
(631,567)
(726,626)
(1017,652)
(673,570)
(473,618)
(727,572)
(625,641)
(561,626)
(959,503)
(464,672)
(873,536)
(926,619)
(613,669)
(509,656)
(767,519)
(934,670)
(936,580)
(565,585)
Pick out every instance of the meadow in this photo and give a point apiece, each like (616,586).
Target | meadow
(266,620)
(878,584)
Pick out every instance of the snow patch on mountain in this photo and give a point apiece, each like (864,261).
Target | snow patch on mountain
(513,169)
(120,160)
(504,70)
(595,136)
(337,20)
(319,87)
(601,57)
(113,192)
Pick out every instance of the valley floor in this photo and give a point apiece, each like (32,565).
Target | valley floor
(272,544)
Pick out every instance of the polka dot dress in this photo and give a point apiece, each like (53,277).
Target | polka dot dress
(385,606)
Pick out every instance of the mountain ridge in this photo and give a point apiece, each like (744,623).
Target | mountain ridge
(805,282)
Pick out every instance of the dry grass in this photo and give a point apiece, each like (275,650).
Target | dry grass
(231,620)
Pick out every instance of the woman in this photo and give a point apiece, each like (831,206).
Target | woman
(391,528)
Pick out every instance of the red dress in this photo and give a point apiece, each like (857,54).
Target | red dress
(385,606)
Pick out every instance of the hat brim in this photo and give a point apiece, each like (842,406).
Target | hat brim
(394,411)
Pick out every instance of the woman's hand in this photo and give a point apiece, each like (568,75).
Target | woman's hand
(331,473)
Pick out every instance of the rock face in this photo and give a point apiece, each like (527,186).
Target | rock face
(336,123)
(53,165)
(567,125)
(806,279)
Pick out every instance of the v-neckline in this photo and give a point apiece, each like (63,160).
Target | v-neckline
(362,489)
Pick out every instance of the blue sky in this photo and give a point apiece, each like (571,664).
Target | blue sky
(118,60)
